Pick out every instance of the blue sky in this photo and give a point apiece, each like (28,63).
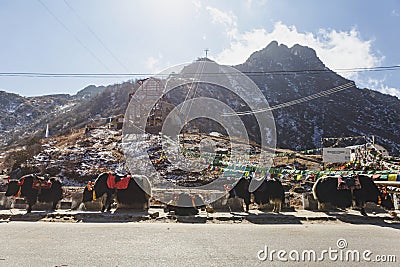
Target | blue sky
(99,36)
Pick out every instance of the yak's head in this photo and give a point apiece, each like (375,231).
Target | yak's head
(385,200)
(89,193)
(13,188)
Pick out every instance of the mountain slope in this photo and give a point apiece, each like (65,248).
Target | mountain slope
(19,115)
(22,118)
(296,72)
(283,74)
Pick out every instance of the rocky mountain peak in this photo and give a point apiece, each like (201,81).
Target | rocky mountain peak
(278,57)
(308,55)
(90,91)
(285,74)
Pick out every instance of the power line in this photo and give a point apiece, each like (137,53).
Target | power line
(295,102)
(316,71)
(71,75)
(249,73)
(95,35)
(74,35)
(370,68)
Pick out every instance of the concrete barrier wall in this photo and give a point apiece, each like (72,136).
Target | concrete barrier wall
(5,202)
(20,203)
(91,206)
(396,200)
(76,200)
(231,204)
(309,203)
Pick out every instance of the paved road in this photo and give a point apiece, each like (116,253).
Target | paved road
(178,244)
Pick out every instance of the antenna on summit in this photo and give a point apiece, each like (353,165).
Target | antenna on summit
(206,50)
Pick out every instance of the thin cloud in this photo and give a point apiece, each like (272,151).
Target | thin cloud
(227,19)
(390,91)
(337,49)
(153,64)
(257,3)
(379,85)
(197,5)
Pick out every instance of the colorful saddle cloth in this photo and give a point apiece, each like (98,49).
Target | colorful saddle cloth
(117,182)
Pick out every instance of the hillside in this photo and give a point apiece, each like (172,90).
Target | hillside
(24,118)
(296,72)
(283,74)
(20,115)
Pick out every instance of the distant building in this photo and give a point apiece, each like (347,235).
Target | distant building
(381,150)
(115,122)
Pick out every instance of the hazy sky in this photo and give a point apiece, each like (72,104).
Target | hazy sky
(99,36)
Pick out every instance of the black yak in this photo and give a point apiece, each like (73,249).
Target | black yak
(99,189)
(130,191)
(268,191)
(36,189)
(361,189)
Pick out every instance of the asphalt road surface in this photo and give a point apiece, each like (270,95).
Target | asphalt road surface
(179,244)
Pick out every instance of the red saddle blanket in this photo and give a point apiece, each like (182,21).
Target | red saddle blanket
(120,183)
(37,183)
(41,184)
